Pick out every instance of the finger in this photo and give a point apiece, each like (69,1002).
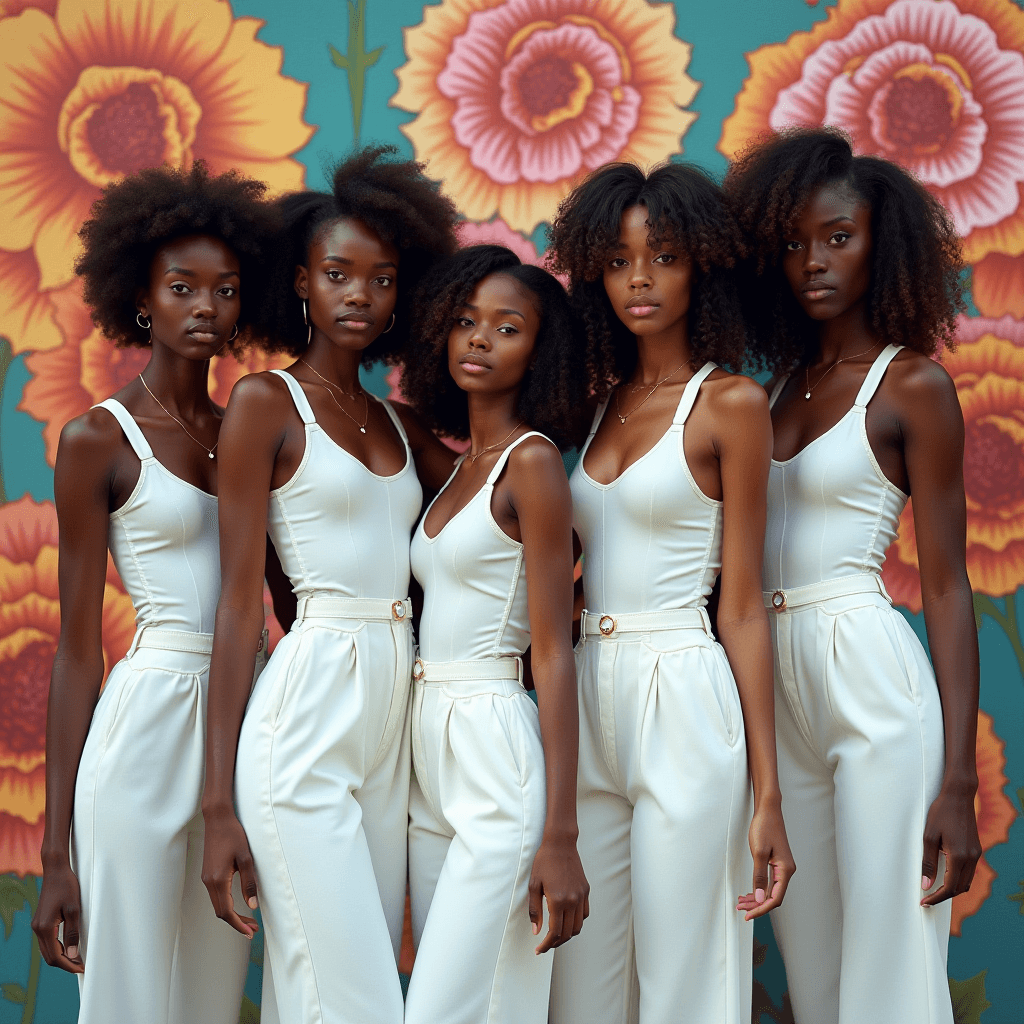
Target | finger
(944,892)
(930,861)
(580,916)
(536,907)
(247,876)
(553,937)
(72,917)
(781,874)
(761,879)
(224,905)
(49,946)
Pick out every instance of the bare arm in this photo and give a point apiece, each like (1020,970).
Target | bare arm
(542,501)
(744,441)
(933,446)
(82,481)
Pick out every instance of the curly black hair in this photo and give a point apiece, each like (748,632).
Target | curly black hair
(552,396)
(686,209)
(134,217)
(393,199)
(915,291)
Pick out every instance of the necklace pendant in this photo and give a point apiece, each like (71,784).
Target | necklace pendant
(622,419)
(808,395)
(211,455)
(362,430)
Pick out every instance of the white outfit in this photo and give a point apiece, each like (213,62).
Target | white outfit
(478,797)
(154,951)
(322,776)
(664,795)
(860,740)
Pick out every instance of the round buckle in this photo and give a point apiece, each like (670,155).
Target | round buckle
(606,624)
(398,610)
(418,671)
(779,601)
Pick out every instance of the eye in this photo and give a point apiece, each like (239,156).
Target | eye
(335,275)
(792,246)
(228,291)
(618,263)
(664,257)
(180,288)
(839,237)
(384,280)
(508,329)
(464,321)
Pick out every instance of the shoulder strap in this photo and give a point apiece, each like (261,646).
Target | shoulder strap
(690,393)
(598,416)
(777,390)
(395,418)
(503,457)
(302,406)
(875,374)
(131,429)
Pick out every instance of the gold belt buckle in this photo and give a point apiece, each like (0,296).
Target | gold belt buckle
(606,624)
(418,671)
(779,601)
(398,610)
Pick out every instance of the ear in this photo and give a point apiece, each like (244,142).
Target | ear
(142,302)
(301,282)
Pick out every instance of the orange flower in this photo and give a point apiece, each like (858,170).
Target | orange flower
(517,101)
(29,628)
(988,369)
(26,316)
(935,86)
(997,285)
(102,88)
(995,813)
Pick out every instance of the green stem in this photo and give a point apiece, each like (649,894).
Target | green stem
(1007,622)
(35,960)
(6,358)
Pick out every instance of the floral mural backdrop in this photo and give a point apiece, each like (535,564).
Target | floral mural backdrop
(509,102)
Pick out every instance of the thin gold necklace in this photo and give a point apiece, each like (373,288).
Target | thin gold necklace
(845,359)
(622,419)
(490,448)
(366,417)
(209,451)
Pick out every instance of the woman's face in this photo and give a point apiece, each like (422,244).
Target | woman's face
(648,287)
(491,344)
(350,282)
(192,300)
(827,256)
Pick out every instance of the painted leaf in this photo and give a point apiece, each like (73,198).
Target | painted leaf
(969,1001)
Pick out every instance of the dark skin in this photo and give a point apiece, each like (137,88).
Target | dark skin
(490,350)
(727,445)
(350,282)
(192,300)
(916,432)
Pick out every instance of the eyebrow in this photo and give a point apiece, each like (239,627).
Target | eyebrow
(504,312)
(350,263)
(836,220)
(182,272)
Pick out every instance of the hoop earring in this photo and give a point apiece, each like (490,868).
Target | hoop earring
(390,325)
(234,333)
(305,320)
(147,326)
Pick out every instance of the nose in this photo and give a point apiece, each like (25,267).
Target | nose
(815,259)
(204,307)
(639,276)
(357,293)
(478,339)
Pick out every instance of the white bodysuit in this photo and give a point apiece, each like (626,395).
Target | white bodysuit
(664,795)
(154,951)
(322,774)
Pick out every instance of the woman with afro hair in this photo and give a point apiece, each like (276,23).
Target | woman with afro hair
(171,263)
(856,287)
(497,358)
(669,494)
(317,758)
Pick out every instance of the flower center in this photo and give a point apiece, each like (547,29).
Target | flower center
(993,467)
(553,90)
(922,109)
(126,131)
(26,687)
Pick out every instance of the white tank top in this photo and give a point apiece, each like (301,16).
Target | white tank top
(339,529)
(831,510)
(652,540)
(474,587)
(164,542)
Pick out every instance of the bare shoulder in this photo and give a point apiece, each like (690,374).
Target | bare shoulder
(914,377)
(537,460)
(258,394)
(93,435)
(735,394)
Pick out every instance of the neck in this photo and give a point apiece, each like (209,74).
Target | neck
(339,365)
(492,416)
(181,384)
(844,336)
(660,354)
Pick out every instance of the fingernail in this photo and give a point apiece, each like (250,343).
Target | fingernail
(759,895)
(926,882)
(72,952)
(253,904)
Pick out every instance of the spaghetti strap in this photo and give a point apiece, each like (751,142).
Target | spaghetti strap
(503,458)
(131,429)
(302,406)
(690,393)
(777,390)
(395,418)
(875,374)
(598,416)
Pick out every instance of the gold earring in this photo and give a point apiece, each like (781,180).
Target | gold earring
(147,326)
(390,325)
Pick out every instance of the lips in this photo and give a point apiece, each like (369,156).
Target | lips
(204,331)
(472,363)
(817,290)
(356,321)
(640,306)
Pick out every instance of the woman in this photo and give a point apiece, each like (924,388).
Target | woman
(493,828)
(171,262)
(322,779)
(668,494)
(859,285)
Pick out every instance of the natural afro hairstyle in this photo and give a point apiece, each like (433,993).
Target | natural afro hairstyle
(685,210)
(553,394)
(134,217)
(915,291)
(393,199)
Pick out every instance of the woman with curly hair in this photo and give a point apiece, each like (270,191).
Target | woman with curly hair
(497,358)
(858,285)
(669,494)
(171,262)
(317,758)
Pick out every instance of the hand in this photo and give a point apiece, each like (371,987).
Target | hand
(60,901)
(226,850)
(952,828)
(770,847)
(558,878)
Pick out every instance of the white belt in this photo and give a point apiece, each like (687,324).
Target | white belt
(816,593)
(467,671)
(371,609)
(592,624)
(172,640)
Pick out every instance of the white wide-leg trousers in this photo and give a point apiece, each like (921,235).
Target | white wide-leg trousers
(322,787)
(860,746)
(664,809)
(477,815)
(154,951)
